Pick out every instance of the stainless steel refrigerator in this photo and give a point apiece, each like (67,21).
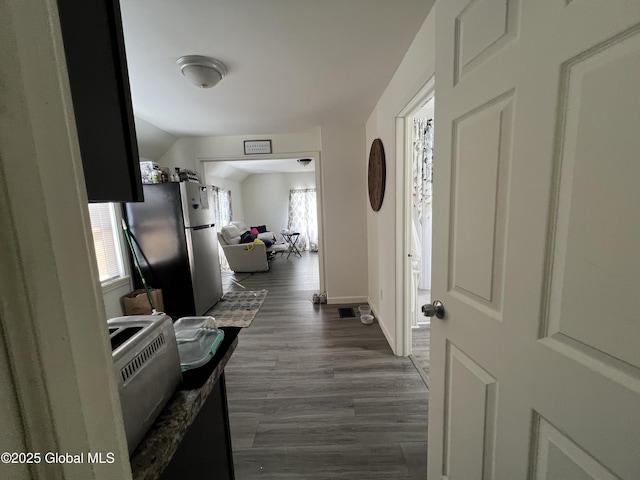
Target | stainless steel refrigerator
(175,239)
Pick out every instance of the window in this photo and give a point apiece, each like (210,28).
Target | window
(222,210)
(303,217)
(106,240)
(222,206)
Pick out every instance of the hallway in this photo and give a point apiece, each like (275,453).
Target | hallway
(316,397)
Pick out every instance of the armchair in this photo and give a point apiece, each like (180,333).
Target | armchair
(248,257)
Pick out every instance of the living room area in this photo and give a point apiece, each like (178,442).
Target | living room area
(272,199)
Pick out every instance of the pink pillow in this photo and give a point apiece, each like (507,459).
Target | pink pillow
(254,231)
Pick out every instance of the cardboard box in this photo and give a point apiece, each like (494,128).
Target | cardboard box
(137,303)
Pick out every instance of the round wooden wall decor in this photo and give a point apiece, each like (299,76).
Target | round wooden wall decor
(377,174)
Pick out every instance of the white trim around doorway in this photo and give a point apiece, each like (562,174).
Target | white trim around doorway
(315,155)
(404,146)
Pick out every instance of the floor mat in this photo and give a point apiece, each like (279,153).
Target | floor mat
(238,309)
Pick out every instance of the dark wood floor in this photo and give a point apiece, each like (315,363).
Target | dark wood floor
(316,397)
(420,341)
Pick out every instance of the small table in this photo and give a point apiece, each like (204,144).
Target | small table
(292,239)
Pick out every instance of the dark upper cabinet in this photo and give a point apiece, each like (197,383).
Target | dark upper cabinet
(97,65)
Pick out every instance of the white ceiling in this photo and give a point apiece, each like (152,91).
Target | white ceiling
(239,170)
(293,65)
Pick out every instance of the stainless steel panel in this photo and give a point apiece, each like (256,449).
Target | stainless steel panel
(197,207)
(205,267)
(161,246)
(147,367)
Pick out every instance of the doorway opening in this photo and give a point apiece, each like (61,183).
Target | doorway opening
(415,133)
(279,193)
(421,234)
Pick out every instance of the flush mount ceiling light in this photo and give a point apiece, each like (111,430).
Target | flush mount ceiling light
(203,72)
(304,161)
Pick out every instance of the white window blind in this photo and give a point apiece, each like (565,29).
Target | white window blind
(106,241)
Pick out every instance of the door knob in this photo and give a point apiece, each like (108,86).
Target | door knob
(435,309)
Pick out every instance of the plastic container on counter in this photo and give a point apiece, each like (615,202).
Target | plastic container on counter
(198,339)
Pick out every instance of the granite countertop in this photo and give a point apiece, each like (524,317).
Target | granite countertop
(162,440)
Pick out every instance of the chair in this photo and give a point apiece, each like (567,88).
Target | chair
(247,257)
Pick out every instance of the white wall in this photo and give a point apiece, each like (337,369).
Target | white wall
(111,296)
(232,147)
(416,68)
(343,197)
(187,152)
(266,197)
(344,180)
(153,142)
(179,155)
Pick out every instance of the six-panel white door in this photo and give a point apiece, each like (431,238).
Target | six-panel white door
(536,367)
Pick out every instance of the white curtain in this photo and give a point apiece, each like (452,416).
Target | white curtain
(422,185)
(303,217)
(422,165)
(223,214)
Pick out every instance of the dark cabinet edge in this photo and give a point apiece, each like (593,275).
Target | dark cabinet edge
(100,90)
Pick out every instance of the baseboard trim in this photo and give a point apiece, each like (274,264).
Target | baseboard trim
(390,339)
(421,372)
(345,300)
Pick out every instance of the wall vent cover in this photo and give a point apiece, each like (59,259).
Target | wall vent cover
(346,312)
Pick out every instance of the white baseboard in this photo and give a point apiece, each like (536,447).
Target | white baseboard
(345,300)
(389,338)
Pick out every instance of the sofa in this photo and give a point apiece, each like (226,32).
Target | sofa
(249,257)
